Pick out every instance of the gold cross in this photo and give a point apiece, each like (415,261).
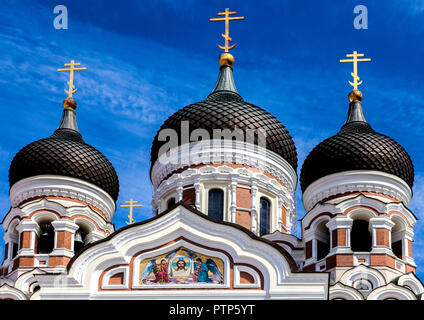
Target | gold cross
(131,205)
(355,61)
(71,70)
(227,19)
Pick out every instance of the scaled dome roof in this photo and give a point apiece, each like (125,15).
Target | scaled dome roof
(65,153)
(224,108)
(356,147)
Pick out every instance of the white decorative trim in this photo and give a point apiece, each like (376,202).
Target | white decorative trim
(360,200)
(237,284)
(217,151)
(361,271)
(52,205)
(61,186)
(279,282)
(412,282)
(227,177)
(391,290)
(341,291)
(112,272)
(8,292)
(356,181)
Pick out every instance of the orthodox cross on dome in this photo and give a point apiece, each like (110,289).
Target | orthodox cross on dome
(131,205)
(226,35)
(355,61)
(71,70)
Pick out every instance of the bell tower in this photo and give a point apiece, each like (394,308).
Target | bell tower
(357,186)
(226,157)
(63,194)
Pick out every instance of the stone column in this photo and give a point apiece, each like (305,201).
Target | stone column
(28,232)
(339,228)
(197,195)
(233,204)
(253,211)
(64,237)
(381,228)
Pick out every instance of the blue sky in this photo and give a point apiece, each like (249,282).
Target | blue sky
(147,59)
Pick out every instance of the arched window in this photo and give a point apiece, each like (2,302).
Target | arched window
(80,238)
(46,241)
(216,204)
(265,218)
(360,237)
(323,240)
(397,239)
(170,203)
(13,245)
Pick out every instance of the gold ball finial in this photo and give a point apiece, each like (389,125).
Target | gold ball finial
(226,59)
(355,95)
(70,103)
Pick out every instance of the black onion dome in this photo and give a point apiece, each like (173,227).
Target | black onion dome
(65,153)
(224,108)
(356,147)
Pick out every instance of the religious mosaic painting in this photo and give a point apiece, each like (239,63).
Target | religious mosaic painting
(181,266)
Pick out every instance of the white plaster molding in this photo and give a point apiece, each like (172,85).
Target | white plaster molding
(362,271)
(217,151)
(279,281)
(112,272)
(8,292)
(357,181)
(256,279)
(341,291)
(360,200)
(391,290)
(44,207)
(61,186)
(410,280)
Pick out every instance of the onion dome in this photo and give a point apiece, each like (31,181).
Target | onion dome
(224,108)
(356,147)
(65,153)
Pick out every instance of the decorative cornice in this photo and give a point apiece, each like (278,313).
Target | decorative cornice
(357,181)
(61,186)
(217,151)
(243,176)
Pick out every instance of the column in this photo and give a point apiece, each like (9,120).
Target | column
(253,211)
(339,228)
(28,232)
(197,195)
(233,205)
(64,237)
(381,228)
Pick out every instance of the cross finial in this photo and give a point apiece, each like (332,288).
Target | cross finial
(131,205)
(71,70)
(355,61)
(227,19)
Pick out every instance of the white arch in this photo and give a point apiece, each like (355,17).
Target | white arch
(391,291)
(341,291)
(410,280)
(375,276)
(9,292)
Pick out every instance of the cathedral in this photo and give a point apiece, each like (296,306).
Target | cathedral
(224,175)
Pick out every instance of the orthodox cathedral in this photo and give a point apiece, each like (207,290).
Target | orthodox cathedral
(224,177)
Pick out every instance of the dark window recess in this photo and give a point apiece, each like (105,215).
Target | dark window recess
(360,237)
(264,217)
(171,203)
(397,248)
(46,241)
(216,204)
(15,248)
(323,249)
(79,240)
